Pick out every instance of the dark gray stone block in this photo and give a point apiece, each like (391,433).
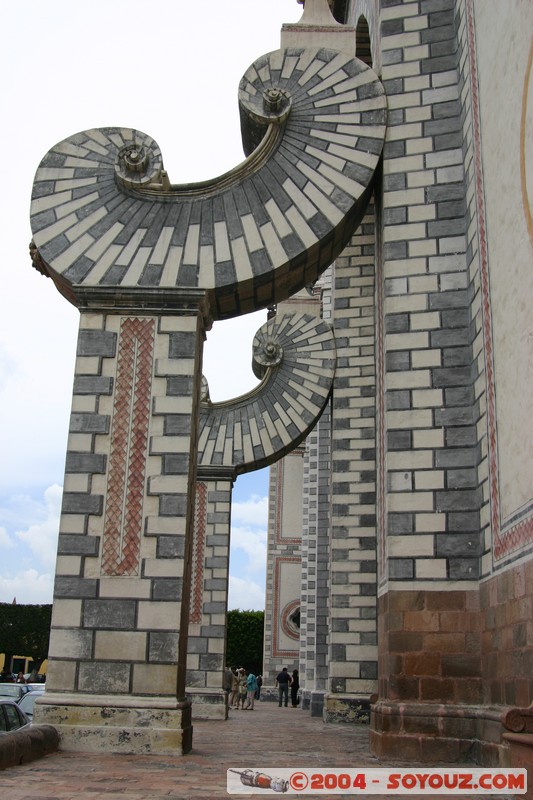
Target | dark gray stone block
(104,678)
(92,384)
(170,546)
(71,544)
(89,423)
(77,503)
(458,544)
(173,505)
(458,500)
(163,647)
(400,523)
(463,569)
(401,569)
(91,463)
(110,614)
(182,345)
(97,343)
(169,589)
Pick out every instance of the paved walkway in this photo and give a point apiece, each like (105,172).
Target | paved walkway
(264,739)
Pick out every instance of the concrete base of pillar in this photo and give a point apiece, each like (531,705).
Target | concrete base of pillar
(432,733)
(312,701)
(113,724)
(521,755)
(208,703)
(346,708)
(305,699)
(316,705)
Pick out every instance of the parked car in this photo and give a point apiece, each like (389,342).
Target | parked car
(14,690)
(27,702)
(12,718)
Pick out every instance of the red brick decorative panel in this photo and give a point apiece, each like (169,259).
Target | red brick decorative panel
(129,448)
(198,554)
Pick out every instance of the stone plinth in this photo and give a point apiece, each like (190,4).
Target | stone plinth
(346,708)
(208,703)
(97,723)
(521,755)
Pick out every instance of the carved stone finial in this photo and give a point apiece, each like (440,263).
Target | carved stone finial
(317,12)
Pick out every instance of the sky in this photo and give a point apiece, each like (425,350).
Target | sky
(170,69)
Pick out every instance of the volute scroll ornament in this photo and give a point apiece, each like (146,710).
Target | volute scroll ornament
(295,356)
(313,123)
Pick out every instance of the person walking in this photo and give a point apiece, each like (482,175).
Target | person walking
(241,696)
(295,685)
(234,692)
(283,681)
(251,688)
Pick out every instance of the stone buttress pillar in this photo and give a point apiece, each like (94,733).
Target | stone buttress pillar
(209,595)
(116,675)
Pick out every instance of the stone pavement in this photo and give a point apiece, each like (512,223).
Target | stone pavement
(264,739)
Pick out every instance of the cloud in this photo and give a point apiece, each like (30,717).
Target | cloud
(253,544)
(245,594)
(6,543)
(253,511)
(249,533)
(227,358)
(29,553)
(41,536)
(28,587)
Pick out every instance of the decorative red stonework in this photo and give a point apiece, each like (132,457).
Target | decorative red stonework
(286,626)
(198,554)
(507,638)
(129,448)
(454,667)
(430,647)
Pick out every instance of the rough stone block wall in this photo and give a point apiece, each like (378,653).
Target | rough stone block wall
(433,647)
(507,637)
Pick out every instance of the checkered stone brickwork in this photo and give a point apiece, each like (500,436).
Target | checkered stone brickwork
(104,213)
(295,355)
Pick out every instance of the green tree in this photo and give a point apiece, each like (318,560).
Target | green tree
(245,639)
(25,631)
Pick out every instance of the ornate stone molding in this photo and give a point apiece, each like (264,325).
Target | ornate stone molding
(104,213)
(295,356)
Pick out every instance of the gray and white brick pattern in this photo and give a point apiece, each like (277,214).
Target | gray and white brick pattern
(104,213)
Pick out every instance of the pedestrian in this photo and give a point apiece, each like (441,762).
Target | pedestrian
(241,697)
(258,690)
(251,688)
(295,685)
(234,692)
(283,681)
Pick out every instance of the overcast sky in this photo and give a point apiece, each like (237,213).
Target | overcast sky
(170,69)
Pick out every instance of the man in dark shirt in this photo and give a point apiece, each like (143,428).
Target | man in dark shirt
(283,681)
